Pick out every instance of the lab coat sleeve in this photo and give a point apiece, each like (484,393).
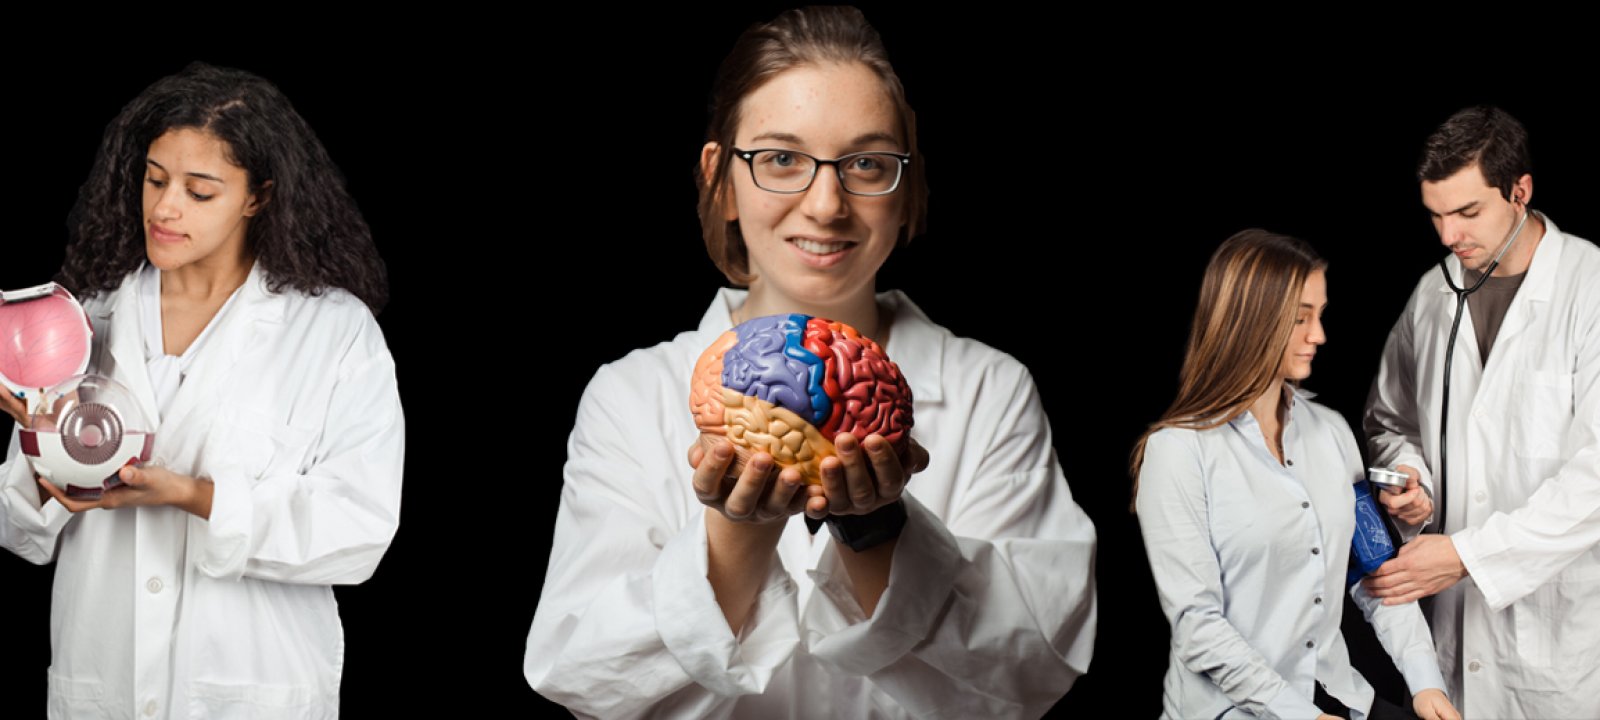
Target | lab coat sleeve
(27,528)
(1394,436)
(627,624)
(326,522)
(1513,553)
(991,613)
(1173,510)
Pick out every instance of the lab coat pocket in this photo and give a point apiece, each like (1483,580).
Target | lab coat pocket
(1556,626)
(1541,411)
(236,701)
(76,698)
(258,445)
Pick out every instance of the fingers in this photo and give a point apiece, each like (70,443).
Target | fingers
(916,458)
(781,499)
(886,468)
(835,486)
(745,497)
(61,497)
(1396,502)
(710,471)
(860,491)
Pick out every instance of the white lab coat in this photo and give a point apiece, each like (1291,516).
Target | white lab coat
(291,409)
(990,606)
(1520,637)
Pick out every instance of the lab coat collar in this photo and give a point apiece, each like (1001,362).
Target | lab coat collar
(1540,281)
(255,304)
(916,344)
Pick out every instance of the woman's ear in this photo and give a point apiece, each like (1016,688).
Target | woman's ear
(258,199)
(708,169)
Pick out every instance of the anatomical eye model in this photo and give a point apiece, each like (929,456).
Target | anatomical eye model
(81,428)
(789,384)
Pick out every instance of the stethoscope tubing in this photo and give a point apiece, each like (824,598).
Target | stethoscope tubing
(1450,354)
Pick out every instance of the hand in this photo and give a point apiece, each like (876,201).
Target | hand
(1325,716)
(14,406)
(144,486)
(757,495)
(1431,704)
(1425,566)
(856,482)
(1412,506)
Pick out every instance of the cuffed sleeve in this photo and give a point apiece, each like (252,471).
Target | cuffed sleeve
(299,506)
(922,575)
(695,631)
(628,624)
(989,612)
(1404,634)
(27,527)
(1394,436)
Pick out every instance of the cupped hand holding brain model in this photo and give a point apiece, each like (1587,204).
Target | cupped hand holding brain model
(788,385)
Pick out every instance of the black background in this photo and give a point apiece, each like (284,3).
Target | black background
(1082,172)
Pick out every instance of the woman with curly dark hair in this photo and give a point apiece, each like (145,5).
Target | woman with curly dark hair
(231,282)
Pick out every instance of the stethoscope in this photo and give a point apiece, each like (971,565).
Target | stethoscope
(1450,350)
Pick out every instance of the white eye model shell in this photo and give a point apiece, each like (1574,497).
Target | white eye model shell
(59,469)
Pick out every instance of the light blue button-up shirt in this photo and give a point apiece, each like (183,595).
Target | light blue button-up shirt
(1249,557)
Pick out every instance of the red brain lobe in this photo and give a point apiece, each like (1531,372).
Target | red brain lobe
(870,395)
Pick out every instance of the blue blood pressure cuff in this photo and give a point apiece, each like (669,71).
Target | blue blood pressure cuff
(1371,545)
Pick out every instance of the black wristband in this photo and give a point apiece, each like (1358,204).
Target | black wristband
(860,532)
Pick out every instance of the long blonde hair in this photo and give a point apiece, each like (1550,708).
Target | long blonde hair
(1248,304)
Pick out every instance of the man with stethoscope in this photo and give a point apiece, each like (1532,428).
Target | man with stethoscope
(1489,399)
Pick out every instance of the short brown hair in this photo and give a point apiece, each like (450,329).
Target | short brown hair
(798,37)
(1485,135)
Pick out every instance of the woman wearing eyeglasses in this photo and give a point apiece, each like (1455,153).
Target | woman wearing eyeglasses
(1245,499)
(963,591)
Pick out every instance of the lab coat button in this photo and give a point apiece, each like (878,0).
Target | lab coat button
(1480,496)
(1474,666)
(153,585)
(150,709)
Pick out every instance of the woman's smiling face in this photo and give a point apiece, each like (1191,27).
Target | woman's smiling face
(821,247)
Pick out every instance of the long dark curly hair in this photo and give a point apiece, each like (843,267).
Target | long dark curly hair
(308,235)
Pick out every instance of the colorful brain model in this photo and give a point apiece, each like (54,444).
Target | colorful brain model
(788,384)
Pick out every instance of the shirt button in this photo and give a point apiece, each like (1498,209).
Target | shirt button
(1304,504)
(1318,600)
(1474,666)
(1289,462)
(1315,551)
(150,709)
(1480,496)
(1310,644)
(153,585)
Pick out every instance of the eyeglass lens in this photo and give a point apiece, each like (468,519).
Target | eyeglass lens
(785,171)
